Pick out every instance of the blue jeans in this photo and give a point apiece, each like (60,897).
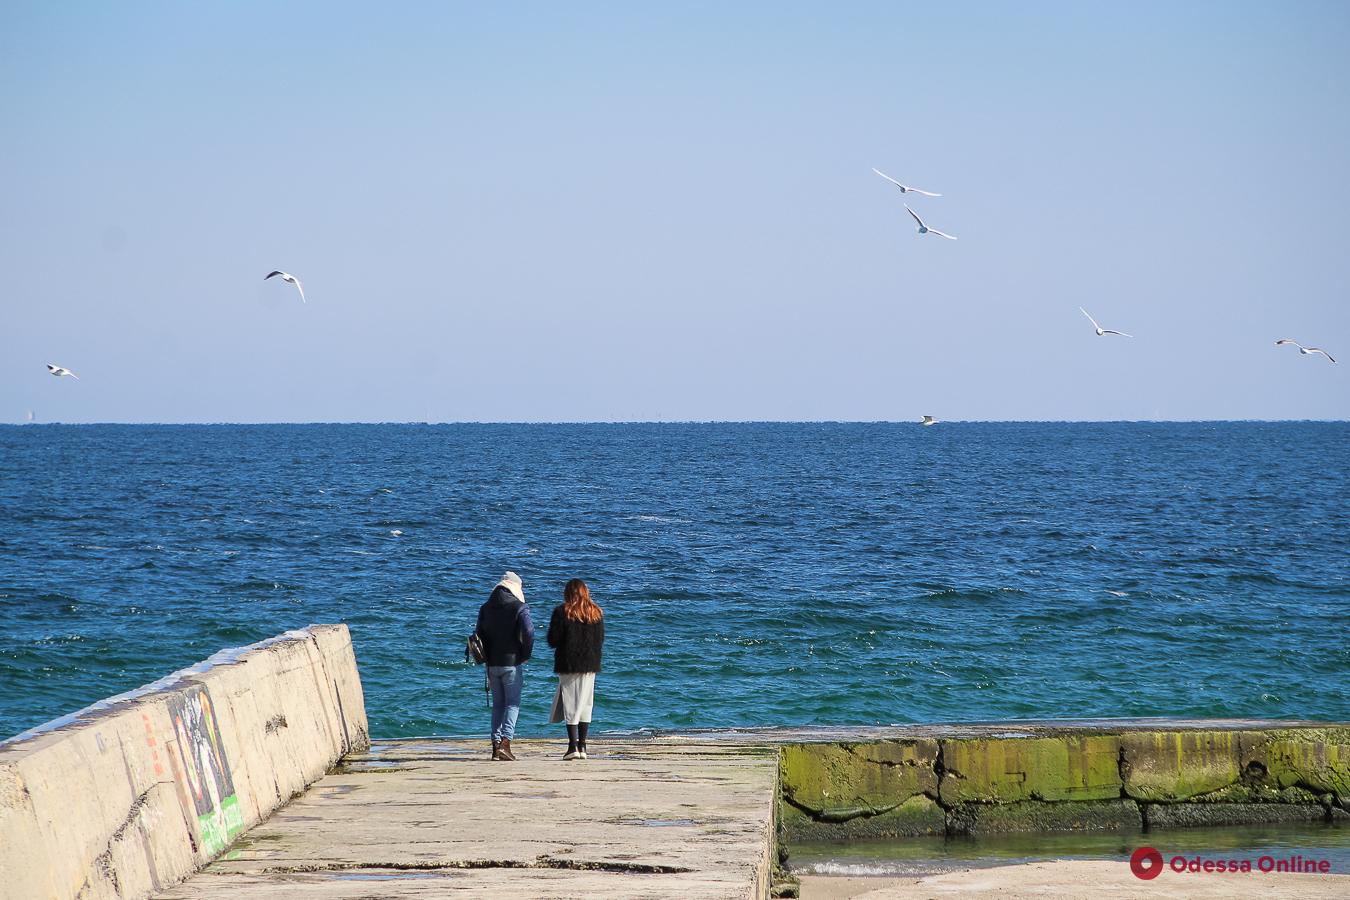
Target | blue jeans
(506,683)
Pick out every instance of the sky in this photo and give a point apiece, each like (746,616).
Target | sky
(619,212)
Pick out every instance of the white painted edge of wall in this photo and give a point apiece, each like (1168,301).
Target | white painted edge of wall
(223,657)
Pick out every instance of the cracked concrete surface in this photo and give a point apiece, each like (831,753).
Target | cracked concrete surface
(428,818)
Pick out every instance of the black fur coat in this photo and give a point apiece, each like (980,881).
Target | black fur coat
(576,645)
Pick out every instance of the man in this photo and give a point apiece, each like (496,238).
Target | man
(507,634)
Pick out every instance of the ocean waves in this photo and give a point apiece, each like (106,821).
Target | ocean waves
(752,574)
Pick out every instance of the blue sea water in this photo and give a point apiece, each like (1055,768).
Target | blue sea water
(752,574)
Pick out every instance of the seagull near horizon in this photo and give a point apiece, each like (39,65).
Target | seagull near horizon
(928,420)
(60,371)
(289,279)
(1304,350)
(1100,330)
(924,229)
(904,188)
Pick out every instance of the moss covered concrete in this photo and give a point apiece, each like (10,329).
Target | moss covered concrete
(919,815)
(1189,815)
(876,789)
(1167,766)
(1261,792)
(1034,777)
(1034,816)
(1004,770)
(1315,758)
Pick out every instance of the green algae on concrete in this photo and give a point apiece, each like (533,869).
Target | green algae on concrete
(1036,816)
(1317,759)
(846,790)
(1005,770)
(1167,766)
(1260,792)
(915,817)
(1064,778)
(1188,815)
(1296,766)
(874,789)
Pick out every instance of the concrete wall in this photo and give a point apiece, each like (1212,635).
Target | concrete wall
(1005,778)
(138,791)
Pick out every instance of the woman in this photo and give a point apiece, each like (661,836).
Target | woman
(576,633)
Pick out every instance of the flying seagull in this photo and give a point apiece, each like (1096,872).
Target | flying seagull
(924,229)
(1100,330)
(1301,349)
(289,279)
(59,371)
(904,188)
(928,420)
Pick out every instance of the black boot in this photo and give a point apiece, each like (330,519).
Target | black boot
(572,751)
(581,737)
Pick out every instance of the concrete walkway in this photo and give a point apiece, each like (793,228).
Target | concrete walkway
(650,818)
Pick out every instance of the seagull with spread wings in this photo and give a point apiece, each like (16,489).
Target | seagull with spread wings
(924,229)
(1100,330)
(1304,350)
(904,188)
(61,371)
(289,279)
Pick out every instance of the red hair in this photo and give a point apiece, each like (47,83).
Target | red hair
(577,603)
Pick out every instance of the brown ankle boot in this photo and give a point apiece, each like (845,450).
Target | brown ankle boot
(496,749)
(504,751)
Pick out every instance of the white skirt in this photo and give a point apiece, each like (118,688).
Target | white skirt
(574,697)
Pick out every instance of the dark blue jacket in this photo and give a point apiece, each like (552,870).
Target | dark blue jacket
(505,627)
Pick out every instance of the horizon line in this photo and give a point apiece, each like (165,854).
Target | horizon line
(219,424)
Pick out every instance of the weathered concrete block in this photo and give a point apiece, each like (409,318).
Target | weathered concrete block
(1036,815)
(134,793)
(1186,815)
(838,782)
(1314,758)
(24,861)
(1177,765)
(94,795)
(919,815)
(1260,792)
(1067,767)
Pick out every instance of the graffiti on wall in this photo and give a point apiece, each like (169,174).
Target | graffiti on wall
(201,770)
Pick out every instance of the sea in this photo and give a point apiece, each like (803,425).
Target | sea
(753,574)
(919,857)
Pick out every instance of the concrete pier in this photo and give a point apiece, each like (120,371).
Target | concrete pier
(138,791)
(251,775)
(421,818)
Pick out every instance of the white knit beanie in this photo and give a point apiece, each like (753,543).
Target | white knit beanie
(511,581)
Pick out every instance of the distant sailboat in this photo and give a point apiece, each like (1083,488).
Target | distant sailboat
(29,417)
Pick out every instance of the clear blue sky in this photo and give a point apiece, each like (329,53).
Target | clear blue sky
(544,212)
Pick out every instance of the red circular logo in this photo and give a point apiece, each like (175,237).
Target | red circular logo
(1146,863)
